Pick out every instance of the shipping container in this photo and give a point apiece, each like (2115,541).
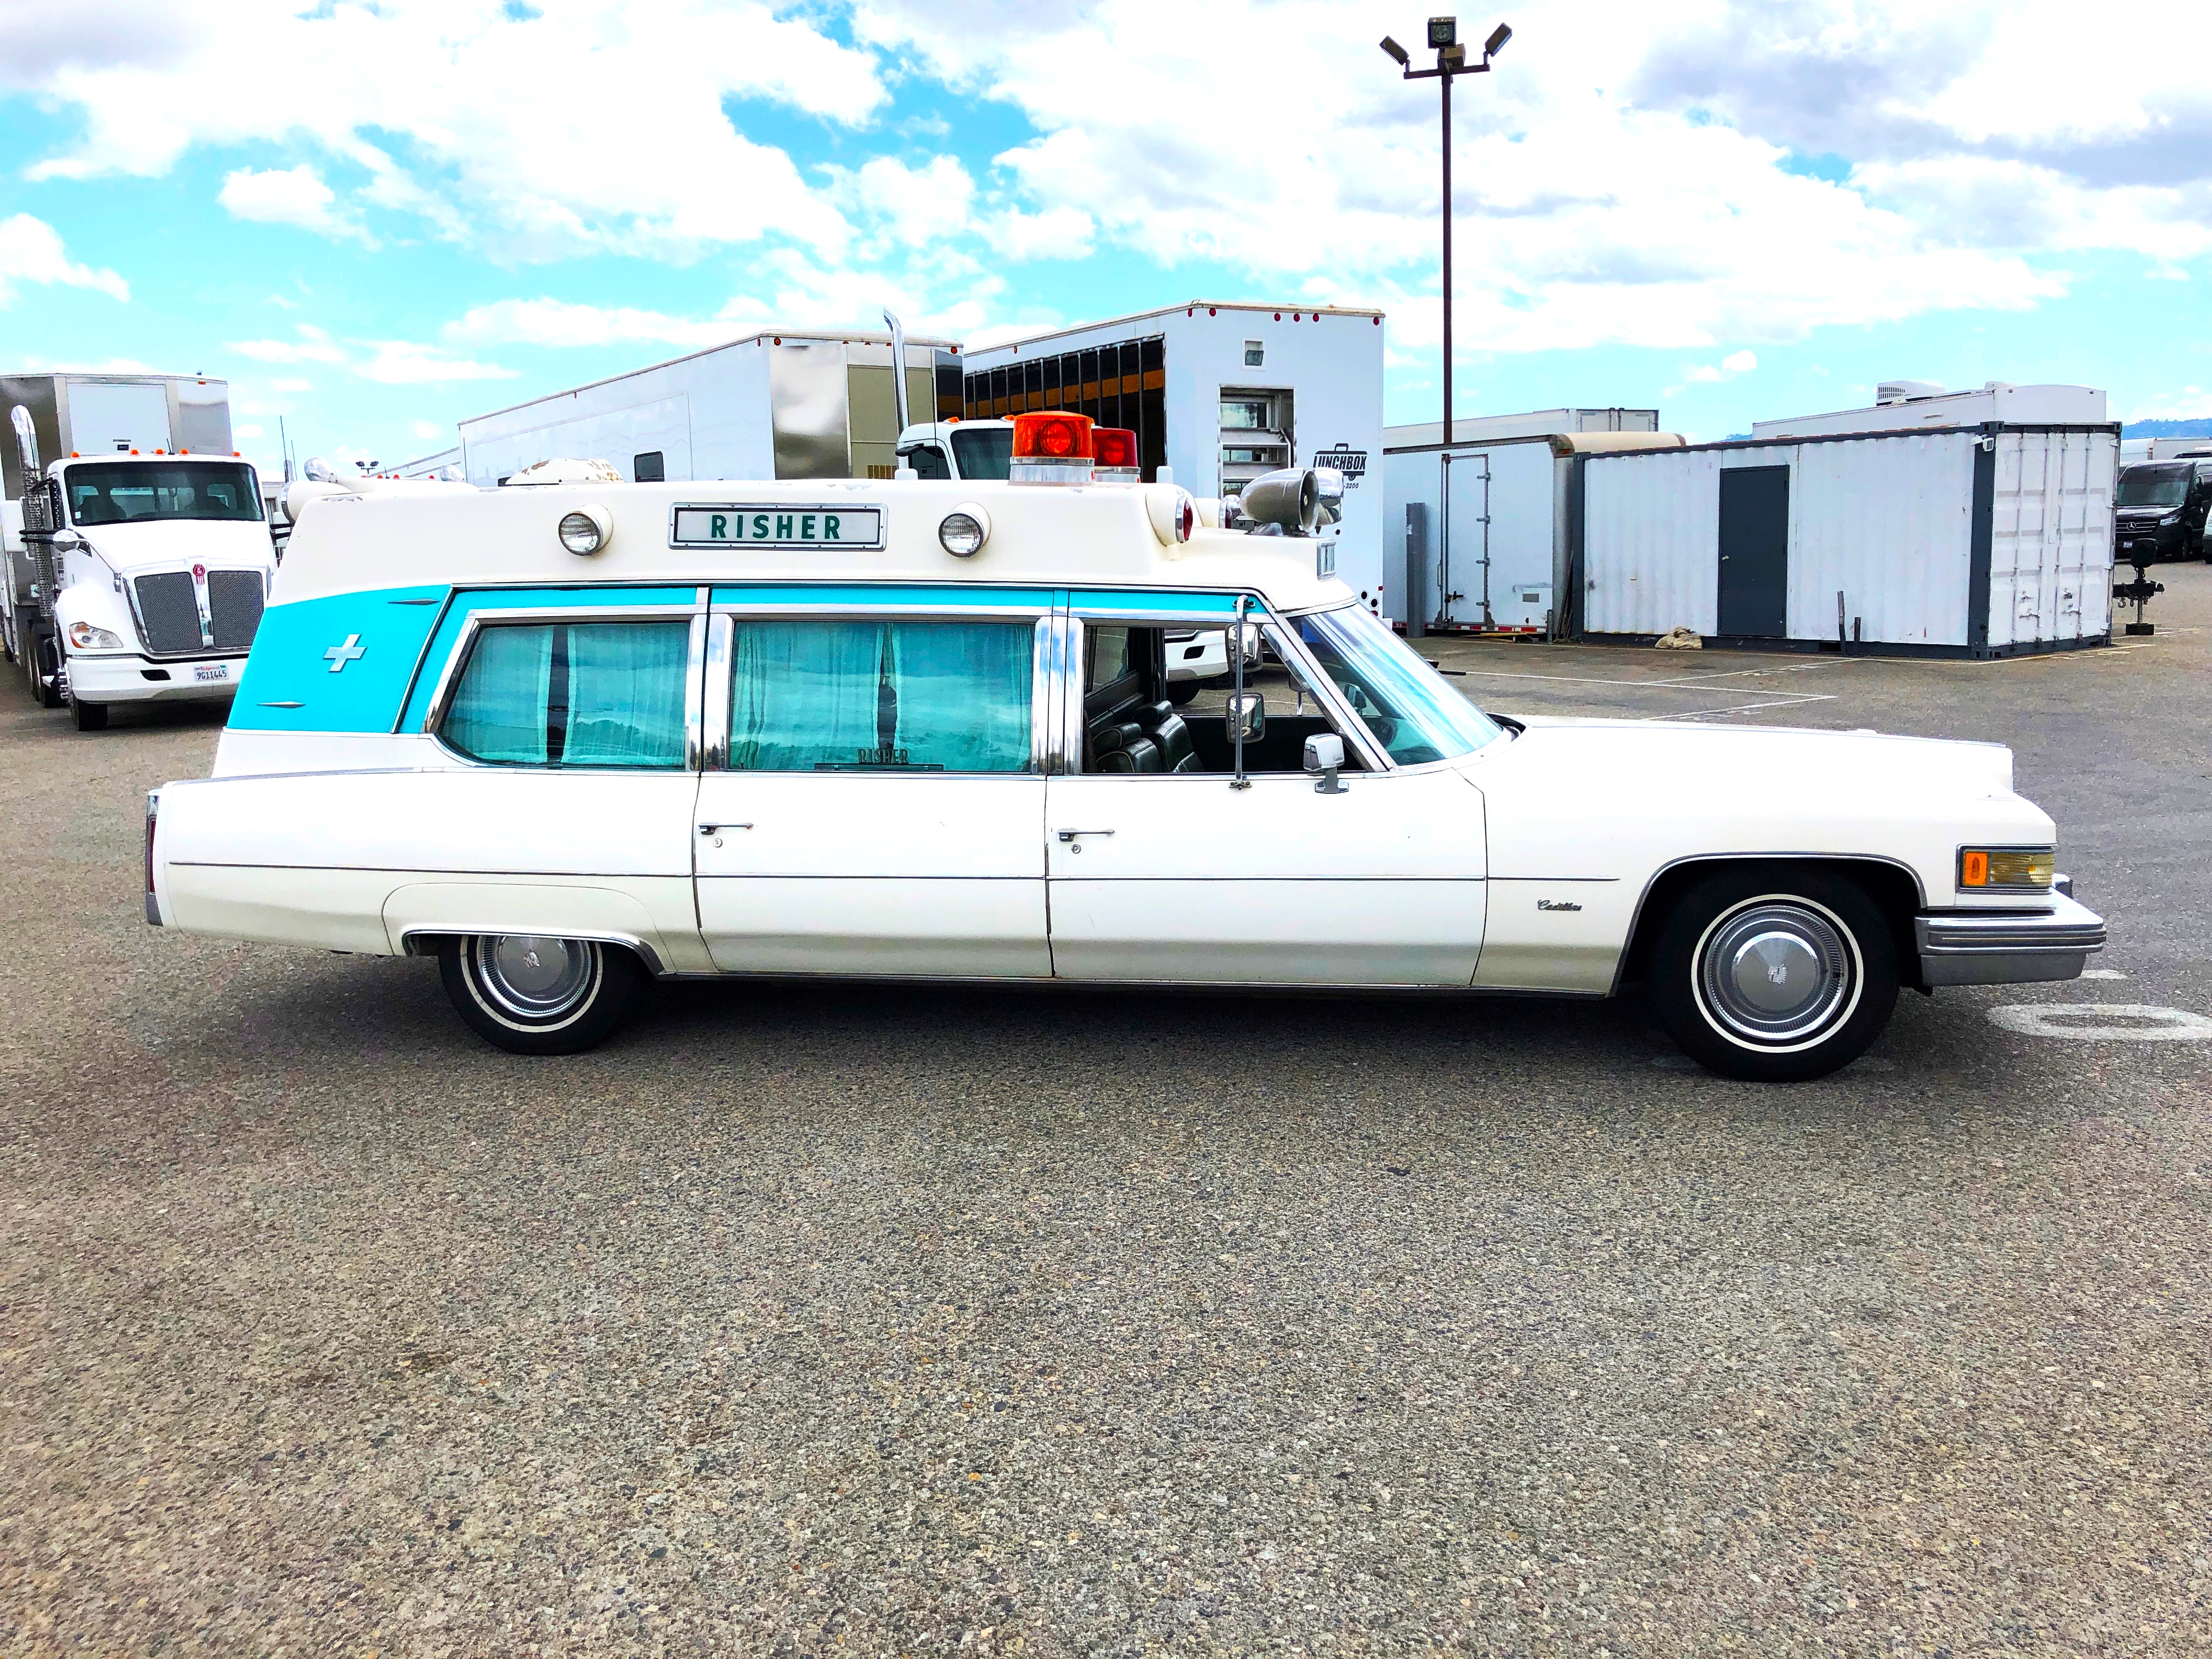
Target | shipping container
(1989,541)
(1218,393)
(1478,531)
(774,404)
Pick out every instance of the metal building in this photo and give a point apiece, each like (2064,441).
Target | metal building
(778,404)
(1984,541)
(1478,532)
(1220,393)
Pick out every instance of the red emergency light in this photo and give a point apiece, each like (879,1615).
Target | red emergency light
(1114,446)
(1052,436)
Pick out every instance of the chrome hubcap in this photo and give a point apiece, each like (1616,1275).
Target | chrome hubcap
(534,977)
(1776,972)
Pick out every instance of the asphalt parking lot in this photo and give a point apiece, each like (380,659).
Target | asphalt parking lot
(904,1321)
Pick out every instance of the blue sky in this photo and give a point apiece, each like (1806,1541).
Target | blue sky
(375,219)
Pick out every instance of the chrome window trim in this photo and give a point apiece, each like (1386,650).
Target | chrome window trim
(449,677)
(714,717)
(1068,706)
(450,680)
(421,661)
(1044,655)
(1289,617)
(722,637)
(694,693)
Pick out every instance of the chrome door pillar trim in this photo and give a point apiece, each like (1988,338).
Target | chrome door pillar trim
(695,675)
(717,668)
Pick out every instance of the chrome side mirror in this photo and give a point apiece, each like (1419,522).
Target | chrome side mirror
(1325,755)
(1248,716)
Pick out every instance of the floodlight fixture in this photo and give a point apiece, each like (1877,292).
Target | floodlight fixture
(1444,31)
(1397,51)
(1498,37)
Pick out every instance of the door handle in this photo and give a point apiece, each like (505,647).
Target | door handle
(1068,837)
(712,828)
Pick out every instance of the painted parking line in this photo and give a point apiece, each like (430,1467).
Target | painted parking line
(2103,1021)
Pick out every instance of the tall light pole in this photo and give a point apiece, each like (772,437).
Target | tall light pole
(1451,60)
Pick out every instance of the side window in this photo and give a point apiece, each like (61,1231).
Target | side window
(927,460)
(648,468)
(908,696)
(1156,700)
(574,695)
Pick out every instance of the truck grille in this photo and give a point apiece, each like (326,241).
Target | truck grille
(169,615)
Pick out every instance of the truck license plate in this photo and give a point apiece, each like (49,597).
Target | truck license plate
(219,670)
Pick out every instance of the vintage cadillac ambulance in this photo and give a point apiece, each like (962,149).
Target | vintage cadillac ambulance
(571,738)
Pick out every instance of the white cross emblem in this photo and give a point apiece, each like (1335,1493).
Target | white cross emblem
(339,655)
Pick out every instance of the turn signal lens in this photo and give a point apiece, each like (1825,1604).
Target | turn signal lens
(2015,869)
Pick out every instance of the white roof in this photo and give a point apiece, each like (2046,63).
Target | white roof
(1042,535)
(1189,307)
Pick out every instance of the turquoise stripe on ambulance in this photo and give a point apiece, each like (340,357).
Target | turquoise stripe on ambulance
(294,682)
(466,604)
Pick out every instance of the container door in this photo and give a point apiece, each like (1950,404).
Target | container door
(110,419)
(1463,568)
(1754,552)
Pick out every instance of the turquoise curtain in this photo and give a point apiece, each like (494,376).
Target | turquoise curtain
(592,693)
(626,694)
(499,707)
(921,696)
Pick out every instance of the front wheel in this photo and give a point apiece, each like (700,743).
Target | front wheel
(534,994)
(1182,692)
(1775,978)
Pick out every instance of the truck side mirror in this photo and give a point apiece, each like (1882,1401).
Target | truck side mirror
(1248,716)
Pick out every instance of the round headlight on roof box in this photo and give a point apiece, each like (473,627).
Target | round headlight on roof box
(584,530)
(962,531)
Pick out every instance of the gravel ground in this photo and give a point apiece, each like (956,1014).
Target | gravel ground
(908,1320)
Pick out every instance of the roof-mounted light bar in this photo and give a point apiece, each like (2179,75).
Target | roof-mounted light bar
(1113,456)
(1052,448)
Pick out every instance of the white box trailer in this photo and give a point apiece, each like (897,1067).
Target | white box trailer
(1987,541)
(1220,393)
(1480,529)
(778,404)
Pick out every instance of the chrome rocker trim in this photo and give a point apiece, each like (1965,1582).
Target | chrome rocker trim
(2008,947)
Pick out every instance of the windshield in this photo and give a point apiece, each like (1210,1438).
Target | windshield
(985,452)
(130,492)
(1412,712)
(2153,486)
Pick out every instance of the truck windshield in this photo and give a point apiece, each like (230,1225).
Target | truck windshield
(2153,486)
(132,492)
(985,453)
(1404,702)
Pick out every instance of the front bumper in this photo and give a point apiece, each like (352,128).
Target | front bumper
(2009,947)
(1199,656)
(2150,540)
(143,679)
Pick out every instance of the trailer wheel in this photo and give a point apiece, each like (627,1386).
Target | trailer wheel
(532,994)
(90,716)
(1775,979)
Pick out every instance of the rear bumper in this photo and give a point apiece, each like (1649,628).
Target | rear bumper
(126,679)
(2013,947)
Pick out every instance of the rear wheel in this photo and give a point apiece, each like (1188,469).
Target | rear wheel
(1775,978)
(536,994)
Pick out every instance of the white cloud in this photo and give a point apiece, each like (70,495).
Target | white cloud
(428,429)
(314,345)
(31,251)
(248,431)
(597,125)
(1736,363)
(549,322)
(293,196)
(402,363)
(291,385)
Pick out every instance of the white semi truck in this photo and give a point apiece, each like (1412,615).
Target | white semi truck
(138,552)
